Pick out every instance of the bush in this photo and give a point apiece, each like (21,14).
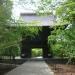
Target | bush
(36,52)
(11,52)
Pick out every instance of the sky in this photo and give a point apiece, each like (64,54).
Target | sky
(19,7)
(27,7)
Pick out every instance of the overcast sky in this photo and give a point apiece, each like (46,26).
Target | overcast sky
(27,7)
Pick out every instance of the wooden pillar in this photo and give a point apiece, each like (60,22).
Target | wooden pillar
(26,49)
(44,37)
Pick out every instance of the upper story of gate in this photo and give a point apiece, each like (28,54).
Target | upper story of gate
(32,19)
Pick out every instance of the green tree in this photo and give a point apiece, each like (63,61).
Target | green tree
(9,36)
(65,13)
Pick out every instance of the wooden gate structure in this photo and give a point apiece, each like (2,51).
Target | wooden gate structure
(28,44)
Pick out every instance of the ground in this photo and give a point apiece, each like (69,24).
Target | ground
(59,68)
(4,68)
(62,69)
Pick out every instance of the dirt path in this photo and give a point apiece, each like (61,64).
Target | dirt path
(62,69)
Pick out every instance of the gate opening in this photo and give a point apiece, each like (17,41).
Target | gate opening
(37,53)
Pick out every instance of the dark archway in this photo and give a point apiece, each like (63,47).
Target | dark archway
(28,44)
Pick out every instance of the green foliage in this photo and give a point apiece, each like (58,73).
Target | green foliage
(9,36)
(66,12)
(56,40)
(9,42)
(5,12)
(30,31)
(69,45)
(11,51)
(36,52)
(63,40)
(68,9)
(58,51)
(43,8)
(11,31)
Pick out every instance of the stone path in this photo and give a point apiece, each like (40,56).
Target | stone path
(32,68)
